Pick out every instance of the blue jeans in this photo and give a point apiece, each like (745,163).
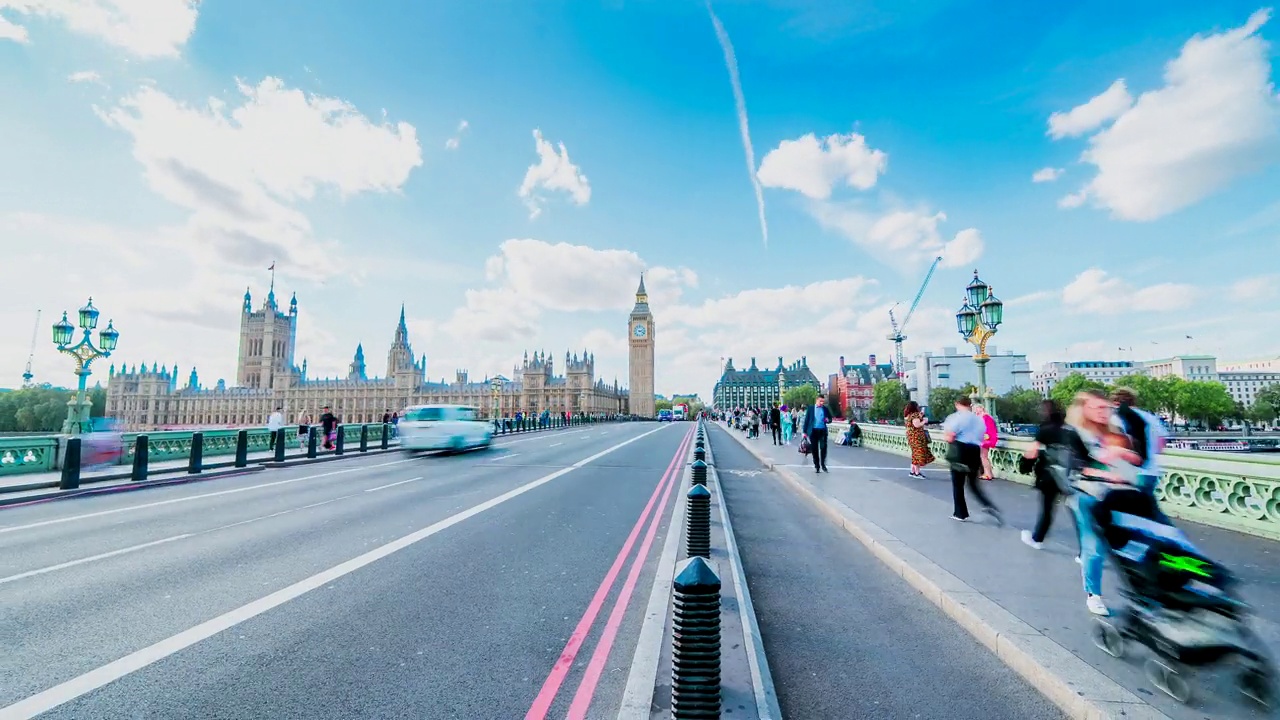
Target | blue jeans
(1093,548)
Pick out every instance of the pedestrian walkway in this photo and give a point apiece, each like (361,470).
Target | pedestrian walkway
(1039,588)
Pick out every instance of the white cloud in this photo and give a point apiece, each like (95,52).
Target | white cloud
(1031,298)
(904,239)
(84,76)
(1046,174)
(1073,200)
(1094,291)
(12,31)
(744,125)
(813,167)
(1255,289)
(241,172)
(453,142)
(1215,119)
(553,172)
(145,28)
(1111,104)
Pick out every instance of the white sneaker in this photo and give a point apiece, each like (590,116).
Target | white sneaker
(957,518)
(1096,606)
(1029,541)
(1078,561)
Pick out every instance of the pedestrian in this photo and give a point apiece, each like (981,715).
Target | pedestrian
(788,425)
(386,416)
(1147,436)
(304,430)
(775,423)
(990,436)
(1048,435)
(274,423)
(816,420)
(755,424)
(1104,460)
(328,421)
(917,438)
(963,431)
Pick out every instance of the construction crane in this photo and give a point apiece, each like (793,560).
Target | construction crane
(35,332)
(897,337)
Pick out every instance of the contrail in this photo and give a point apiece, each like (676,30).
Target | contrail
(731,62)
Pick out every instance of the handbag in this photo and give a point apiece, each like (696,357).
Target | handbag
(955,458)
(804,445)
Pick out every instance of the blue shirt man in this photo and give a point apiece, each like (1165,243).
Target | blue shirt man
(967,427)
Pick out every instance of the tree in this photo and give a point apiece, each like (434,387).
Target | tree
(97,401)
(1269,395)
(1208,402)
(662,404)
(1065,390)
(889,400)
(1261,412)
(1019,405)
(800,396)
(37,409)
(942,401)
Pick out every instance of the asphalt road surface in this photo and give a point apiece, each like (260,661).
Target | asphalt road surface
(846,638)
(464,586)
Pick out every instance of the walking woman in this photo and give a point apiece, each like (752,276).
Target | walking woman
(917,439)
(989,439)
(788,427)
(304,429)
(1049,435)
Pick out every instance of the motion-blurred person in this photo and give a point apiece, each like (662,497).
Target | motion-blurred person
(964,431)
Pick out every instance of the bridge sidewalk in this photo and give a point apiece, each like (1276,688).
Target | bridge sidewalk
(1025,605)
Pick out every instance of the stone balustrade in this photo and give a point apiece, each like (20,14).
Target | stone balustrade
(1236,491)
(21,454)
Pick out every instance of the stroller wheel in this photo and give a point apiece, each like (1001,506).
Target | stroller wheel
(1108,638)
(1169,681)
(1255,684)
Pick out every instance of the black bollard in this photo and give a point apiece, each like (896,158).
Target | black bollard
(340,442)
(242,448)
(698,522)
(70,479)
(195,461)
(700,453)
(280,440)
(386,435)
(699,472)
(311,441)
(140,450)
(695,654)
(364,438)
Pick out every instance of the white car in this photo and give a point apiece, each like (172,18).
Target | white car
(443,427)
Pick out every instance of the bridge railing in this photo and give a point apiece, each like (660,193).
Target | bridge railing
(1238,492)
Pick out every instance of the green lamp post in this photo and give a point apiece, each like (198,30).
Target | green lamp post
(85,352)
(977,320)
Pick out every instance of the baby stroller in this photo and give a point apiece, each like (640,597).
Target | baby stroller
(1181,605)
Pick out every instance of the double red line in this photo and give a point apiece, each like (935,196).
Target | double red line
(595,667)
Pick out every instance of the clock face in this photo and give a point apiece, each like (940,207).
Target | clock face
(639,331)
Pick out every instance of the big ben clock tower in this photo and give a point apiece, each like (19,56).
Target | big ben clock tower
(640,339)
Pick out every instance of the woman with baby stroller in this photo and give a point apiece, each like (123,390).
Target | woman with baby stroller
(1180,604)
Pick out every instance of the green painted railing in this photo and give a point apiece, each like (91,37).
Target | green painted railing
(39,453)
(1238,492)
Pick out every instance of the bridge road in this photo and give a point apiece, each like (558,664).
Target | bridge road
(388,587)
(844,636)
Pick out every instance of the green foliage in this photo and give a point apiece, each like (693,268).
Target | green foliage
(1208,402)
(888,401)
(800,396)
(942,401)
(1262,411)
(663,404)
(1269,395)
(1065,390)
(1019,405)
(37,409)
(1157,395)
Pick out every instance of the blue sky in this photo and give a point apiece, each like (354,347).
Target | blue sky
(161,161)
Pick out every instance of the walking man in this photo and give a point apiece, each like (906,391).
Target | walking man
(965,431)
(274,423)
(816,419)
(1147,436)
(328,421)
(775,424)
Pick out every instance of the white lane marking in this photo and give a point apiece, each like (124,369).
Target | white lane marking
(638,697)
(91,558)
(555,445)
(88,682)
(171,501)
(504,457)
(153,543)
(384,487)
(766,695)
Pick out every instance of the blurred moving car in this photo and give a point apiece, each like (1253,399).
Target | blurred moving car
(103,445)
(665,416)
(443,427)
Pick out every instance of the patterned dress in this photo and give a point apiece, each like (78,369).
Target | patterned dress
(919,442)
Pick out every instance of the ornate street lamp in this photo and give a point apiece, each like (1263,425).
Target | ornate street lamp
(977,321)
(85,353)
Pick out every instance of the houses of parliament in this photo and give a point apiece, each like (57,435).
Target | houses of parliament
(143,398)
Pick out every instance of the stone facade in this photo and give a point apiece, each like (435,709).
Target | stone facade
(640,332)
(759,388)
(143,398)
